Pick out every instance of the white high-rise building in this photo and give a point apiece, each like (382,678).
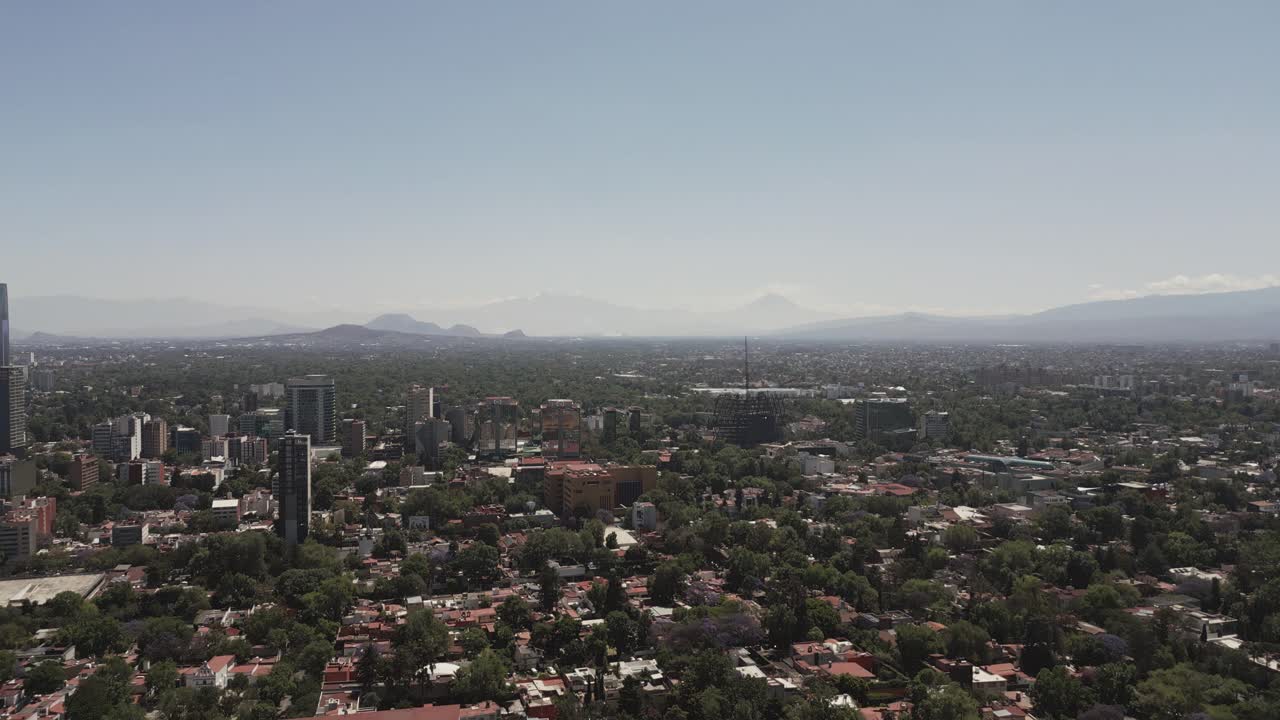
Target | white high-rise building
(418,406)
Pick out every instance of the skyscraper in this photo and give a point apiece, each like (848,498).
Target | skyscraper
(155,438)
(13,389)
(294,485)
(419,405)
(312,403)
(497,426)
(4,324)
(13,415)
(561,429)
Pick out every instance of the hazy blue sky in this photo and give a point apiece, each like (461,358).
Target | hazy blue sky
(986,156)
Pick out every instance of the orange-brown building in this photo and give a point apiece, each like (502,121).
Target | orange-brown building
(571,485)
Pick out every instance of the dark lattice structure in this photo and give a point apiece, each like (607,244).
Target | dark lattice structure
(751,418)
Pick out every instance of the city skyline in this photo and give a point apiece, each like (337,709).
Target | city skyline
(1021,157)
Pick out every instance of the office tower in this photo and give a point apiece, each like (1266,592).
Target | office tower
(155,438)
(18,533)
(428,436)
(312,407)
(264,423)
(294,481)
(353,434)
(419,405)
(17,476)
(936,425)
(4,324)
(187,440)
(13,411)
(497,426)
(219,425)
(104,439)
(84,472)
(250,402)
(886,421)
(561,429)
(457,417)
(610,422)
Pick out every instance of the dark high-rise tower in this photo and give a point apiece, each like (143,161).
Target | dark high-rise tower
(293,472)
(13,389)
(4,324)
(311,407)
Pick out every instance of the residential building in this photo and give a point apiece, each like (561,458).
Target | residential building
(816,464)
(644,516)
(126,534)
(354,433)
(226,510)
(312,408)
(43,380)
(561,429)
(43,509)
(142,472)
(155,438)
(247,450)
(84,471)
(213,673)
(293,471)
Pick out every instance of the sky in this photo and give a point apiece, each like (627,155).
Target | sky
(857,157)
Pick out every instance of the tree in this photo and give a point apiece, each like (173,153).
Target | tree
(8,665)
(915,644)
(515,613)
(478,563)
(549,582)
(474,641)
(667,582)
(424,640)
(46,677)
(1174,693)
(950,703)
(1114,683)
(162,677)
(368,668)
(960,537)
(623,632)
(966,640)
(103,694)
(1058,695)
(484,679)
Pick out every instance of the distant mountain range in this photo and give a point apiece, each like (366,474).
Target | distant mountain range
(1252,315)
